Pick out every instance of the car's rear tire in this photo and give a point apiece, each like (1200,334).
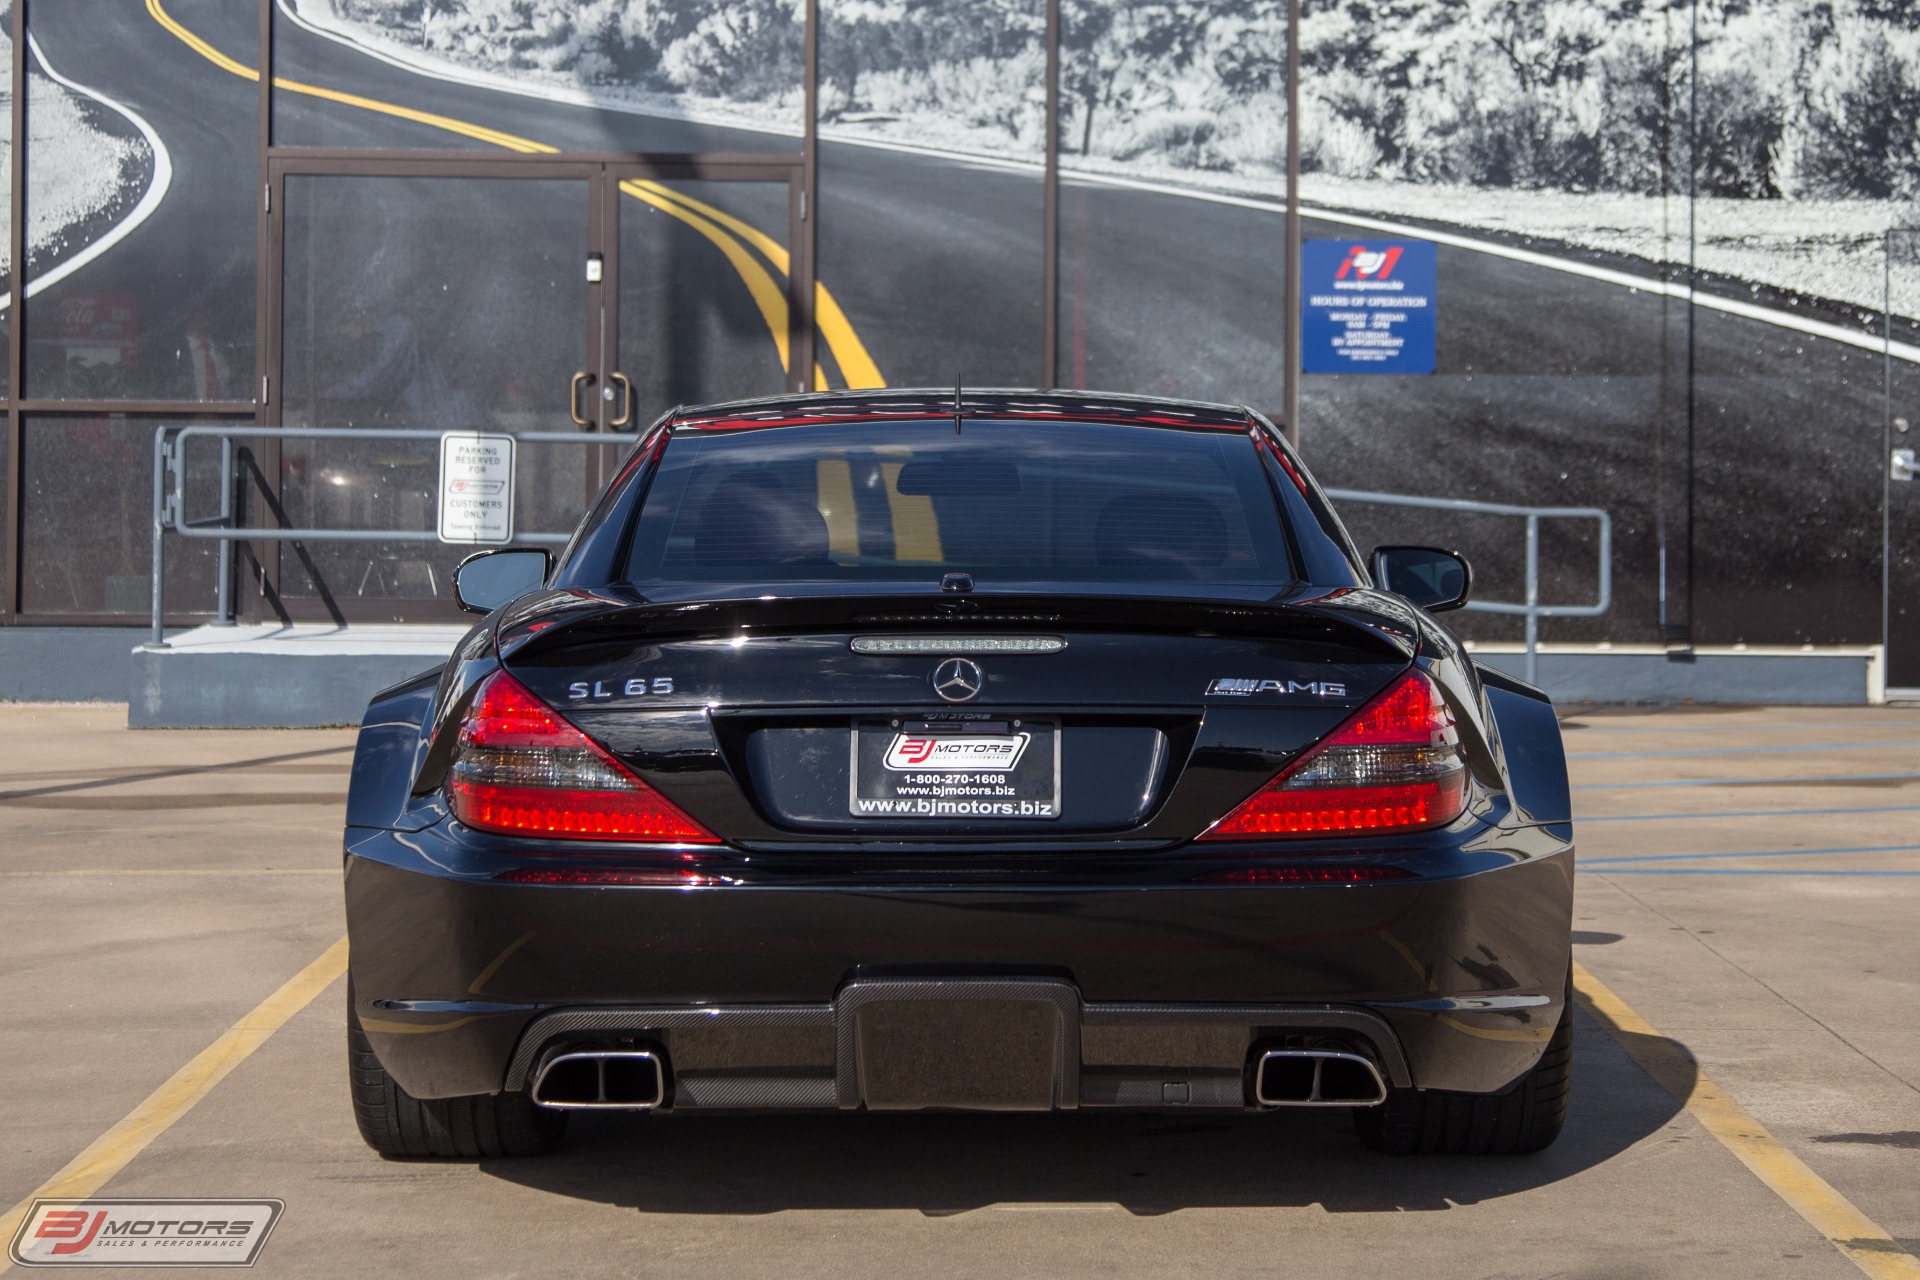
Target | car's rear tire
(399,1125)
(1526,1118)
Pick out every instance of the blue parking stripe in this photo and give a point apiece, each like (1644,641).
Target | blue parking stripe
(1736,782)
(1744,728)
(1759,853)
(1748,813)
(1736,871)
(1731,751)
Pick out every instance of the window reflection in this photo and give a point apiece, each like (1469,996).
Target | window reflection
(141,232)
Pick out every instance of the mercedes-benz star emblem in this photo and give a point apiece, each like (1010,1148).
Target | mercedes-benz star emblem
(957,680)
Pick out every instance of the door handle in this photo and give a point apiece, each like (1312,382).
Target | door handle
(573,397)
(626,399)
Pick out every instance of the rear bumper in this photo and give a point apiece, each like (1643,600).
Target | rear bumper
(1451,981)
(1067,1065)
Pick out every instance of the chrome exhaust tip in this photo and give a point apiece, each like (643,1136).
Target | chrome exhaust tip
(1317,1078)
(601,1080)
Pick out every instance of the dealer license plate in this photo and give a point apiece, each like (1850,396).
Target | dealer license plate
(958,770)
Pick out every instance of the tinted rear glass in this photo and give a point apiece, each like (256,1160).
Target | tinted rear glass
(1004,501)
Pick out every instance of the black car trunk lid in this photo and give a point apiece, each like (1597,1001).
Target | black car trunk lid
(1028,719)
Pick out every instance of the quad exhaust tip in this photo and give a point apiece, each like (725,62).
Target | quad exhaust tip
(601,1080)
(1317,1078)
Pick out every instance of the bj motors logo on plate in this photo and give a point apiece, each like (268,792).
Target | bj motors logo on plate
(984,752)
(144,1233)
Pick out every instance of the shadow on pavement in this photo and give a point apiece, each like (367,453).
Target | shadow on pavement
(1152,1164)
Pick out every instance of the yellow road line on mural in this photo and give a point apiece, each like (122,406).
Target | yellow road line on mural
(113,1150)
(766,294)
(856,364)
(512,142)
(1858,1238)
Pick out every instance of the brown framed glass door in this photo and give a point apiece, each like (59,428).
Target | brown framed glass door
(544,295)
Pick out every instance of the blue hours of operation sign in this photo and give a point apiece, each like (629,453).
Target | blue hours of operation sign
(1367,306)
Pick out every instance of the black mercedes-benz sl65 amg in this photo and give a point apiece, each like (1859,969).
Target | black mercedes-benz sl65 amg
(925,750)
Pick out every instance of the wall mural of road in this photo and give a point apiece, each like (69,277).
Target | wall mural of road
(1543,143)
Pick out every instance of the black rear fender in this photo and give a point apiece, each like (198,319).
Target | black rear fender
(386,755)
(1536,759)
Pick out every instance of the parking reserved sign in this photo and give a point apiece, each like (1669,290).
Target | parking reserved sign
(476,487)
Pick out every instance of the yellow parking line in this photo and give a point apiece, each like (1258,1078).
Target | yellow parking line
(111,1152)
(1858,1238)
(856,364)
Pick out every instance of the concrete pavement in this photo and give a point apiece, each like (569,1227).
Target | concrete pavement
(159,885)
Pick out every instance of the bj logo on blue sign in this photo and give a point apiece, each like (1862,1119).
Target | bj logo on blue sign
(1369,264)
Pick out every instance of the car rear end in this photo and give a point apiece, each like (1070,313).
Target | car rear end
(1000,762)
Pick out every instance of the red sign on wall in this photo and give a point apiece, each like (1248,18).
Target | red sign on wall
(102,320)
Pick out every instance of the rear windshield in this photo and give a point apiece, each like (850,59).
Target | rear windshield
(1086,502)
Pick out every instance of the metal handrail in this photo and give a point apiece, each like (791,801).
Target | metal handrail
(1530,608)
(170,502)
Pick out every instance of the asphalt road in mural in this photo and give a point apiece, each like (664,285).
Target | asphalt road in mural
(1549,387)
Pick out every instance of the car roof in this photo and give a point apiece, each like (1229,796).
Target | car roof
(926,402)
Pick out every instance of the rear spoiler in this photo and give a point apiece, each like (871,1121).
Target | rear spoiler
(568,619)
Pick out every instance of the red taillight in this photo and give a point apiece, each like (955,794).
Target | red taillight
(520,769)
(1394,767)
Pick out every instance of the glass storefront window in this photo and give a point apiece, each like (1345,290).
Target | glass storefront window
(1164,288)
(86,518)
(1554,385)
(932,141)
(141,191)
(691,76)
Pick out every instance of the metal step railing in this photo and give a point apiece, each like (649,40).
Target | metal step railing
(170,499)
(1531,609)
(170,517)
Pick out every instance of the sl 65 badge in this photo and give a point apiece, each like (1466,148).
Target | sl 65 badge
(630,689)
(1247,688)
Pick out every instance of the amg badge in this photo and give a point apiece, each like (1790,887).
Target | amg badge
(1247,688)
